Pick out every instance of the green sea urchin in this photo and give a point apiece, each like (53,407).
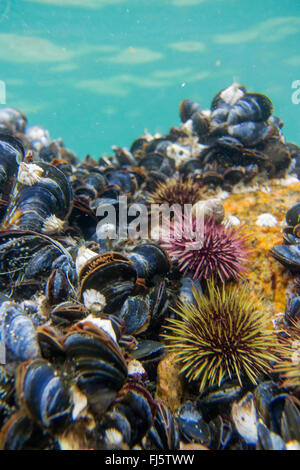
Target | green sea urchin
(225,333)
(176,191)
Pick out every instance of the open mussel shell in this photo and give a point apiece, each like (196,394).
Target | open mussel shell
(111,274)
(244,416)
(150,261)
(99,364)
(42,394)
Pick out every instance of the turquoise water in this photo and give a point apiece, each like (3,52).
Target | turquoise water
(99,72)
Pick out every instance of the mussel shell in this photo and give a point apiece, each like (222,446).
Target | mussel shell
(136,403)
(192,426)
(32,205)
(42,393)
(136,314)
(150,260)
(212,178)
(16,432)
(101,368)
(200,124)
(158,162)
(234,175)
(41,262)
(18,333)
(250,133)
(11,153)
(279,157)
(57,287)
(137,144)
(148,351)
(187,108)
(14,119)
(111,274)
(251,107)
(290,421)
(268,440)
(124,179)
(67,312)
(292,216)
(163,434)
(288,255)
(264,394)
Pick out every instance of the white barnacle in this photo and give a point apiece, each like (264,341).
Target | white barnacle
(187,127)
(52,225)
(266,220)
(231,221)
(245,418)
(94,301)
(83,256)
(178,153)
(135,368)
(102,324)
(80,403)
(29,173)
(113,437)
(232,94)
(106,231)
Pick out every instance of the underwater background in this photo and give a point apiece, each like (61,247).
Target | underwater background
(99,72)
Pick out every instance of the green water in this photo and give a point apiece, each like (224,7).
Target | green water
(99,72)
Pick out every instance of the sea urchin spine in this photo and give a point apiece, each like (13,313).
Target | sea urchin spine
(220,254)
(224,333)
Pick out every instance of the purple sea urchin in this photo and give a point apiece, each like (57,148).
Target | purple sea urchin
(221,253)
(224,333)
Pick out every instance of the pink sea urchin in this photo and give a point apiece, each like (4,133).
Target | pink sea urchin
(221,252)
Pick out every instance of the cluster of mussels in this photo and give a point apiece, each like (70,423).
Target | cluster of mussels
(86,319)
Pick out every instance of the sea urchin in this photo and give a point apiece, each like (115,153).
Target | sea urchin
(224,333)
(174,191)
(220,254)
